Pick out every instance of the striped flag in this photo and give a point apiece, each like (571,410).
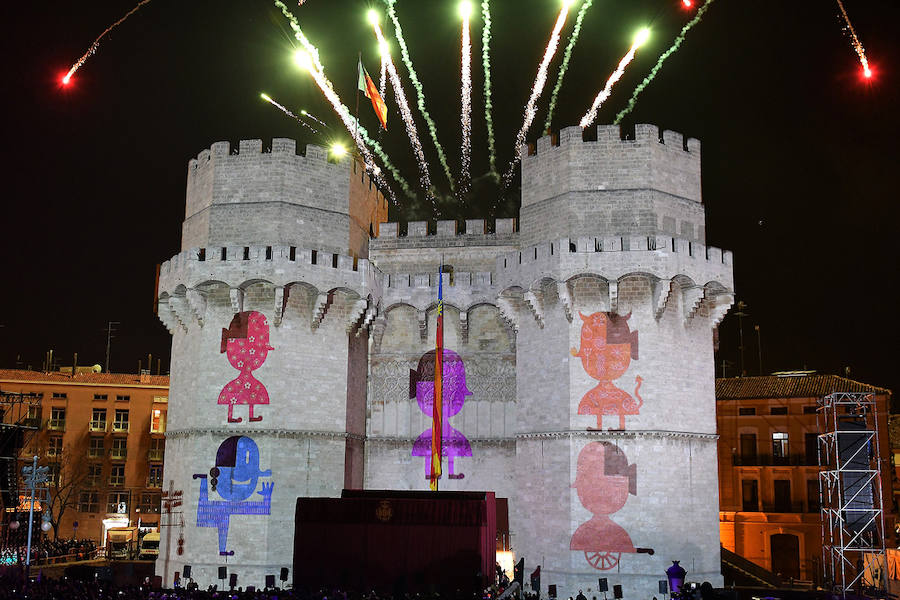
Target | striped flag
(438,406)
(367,87)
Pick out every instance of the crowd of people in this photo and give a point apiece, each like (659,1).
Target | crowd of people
(44,549)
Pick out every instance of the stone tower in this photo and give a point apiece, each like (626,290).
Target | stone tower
(268,385)
(581,381)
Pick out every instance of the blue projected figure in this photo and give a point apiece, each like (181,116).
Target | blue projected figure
(234,478)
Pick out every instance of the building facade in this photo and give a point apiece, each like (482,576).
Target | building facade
(103,437)
(578,364)
(768,467)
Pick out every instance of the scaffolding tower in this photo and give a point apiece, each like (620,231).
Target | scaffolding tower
(20,418)
(850,493)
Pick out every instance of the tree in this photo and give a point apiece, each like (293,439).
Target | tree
(68,477)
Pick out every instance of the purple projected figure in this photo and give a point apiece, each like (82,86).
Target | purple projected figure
(234,478)
(421,385)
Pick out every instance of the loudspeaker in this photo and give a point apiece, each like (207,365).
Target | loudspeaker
(663,586)
(284,573)
(232,580)
(602,585)
(187,571)
(617,592)
(223,572)
(551,591)
(270,581)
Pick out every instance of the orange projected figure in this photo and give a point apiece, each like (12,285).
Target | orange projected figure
(603,480)
(607,348)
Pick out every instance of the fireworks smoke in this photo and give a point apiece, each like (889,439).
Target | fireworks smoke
(96,43)
(659,63)
(405,113)
(486,62)
(420,92)
(539,81)
(591,114)
(857,45)
(465,177)
(565,63)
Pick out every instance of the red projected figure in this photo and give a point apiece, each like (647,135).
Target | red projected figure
(607,349)
(246,343)
(421,385)
(603,480)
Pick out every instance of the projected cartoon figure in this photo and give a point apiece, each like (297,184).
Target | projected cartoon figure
(234,479)
(246,343)
(607,349)
(421,385)
(603,480)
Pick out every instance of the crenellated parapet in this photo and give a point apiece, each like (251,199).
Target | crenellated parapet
(446,234)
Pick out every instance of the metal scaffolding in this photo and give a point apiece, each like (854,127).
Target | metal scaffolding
(20,418)
(850,493)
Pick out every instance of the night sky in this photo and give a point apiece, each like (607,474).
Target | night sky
(799,153)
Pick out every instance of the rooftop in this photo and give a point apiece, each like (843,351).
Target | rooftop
(798,384)
(104,379)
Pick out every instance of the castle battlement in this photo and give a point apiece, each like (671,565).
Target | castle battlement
(615,257)
(238,266)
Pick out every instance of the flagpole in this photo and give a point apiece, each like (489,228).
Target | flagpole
(358,66)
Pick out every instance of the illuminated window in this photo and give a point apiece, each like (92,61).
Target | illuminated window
(95,450)
(157,449)
(150,503)
(57,418)
(117,502)
(98,419)
(117,475)
(55,446)
(160,398)
(121,422)
(119,448)
(154,479)
(34,417)
(779,444)
(89,502)
(158,421)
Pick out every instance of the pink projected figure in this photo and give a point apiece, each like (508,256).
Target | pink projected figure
(607,349)
(421,385)
(246,343)
(603,480)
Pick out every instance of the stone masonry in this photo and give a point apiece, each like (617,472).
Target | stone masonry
(611,240)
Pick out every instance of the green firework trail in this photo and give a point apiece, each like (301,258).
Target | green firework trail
(379,151)
(420,93)
(659,63)
(486,60)
(565,63)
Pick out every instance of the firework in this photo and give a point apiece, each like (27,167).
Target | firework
(382,77)
(309,115)
(565,63)
(405,113)
(286,111)
(659,63)
(857,45)
(539,81)
(486,63)
(465,177)
(420,91)
(96,44)
(591,114)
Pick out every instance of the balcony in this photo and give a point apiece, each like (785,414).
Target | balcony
(118,453)
(98,425)
(770,460)
(32,422)
(154,482)
(155,455)
(120,427)
(56,424)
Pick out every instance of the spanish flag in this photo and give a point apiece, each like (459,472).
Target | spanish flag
(368,87)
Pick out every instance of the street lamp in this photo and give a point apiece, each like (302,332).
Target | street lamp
(675,574)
